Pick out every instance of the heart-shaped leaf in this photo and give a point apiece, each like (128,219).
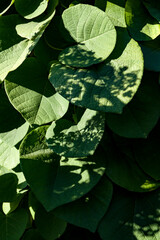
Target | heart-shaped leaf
(48,106)
(93,32)
(79,140)
(106,87)
(57,181)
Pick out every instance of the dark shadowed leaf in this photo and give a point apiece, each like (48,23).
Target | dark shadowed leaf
(153,6)
(49,226)
(13,225)
(87,211)
(141,25)
(132,217)
(141,114)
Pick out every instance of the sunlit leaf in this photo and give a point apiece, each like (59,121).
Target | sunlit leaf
(28,84)
(93,33)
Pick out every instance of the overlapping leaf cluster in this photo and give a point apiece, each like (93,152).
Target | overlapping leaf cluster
(79,123)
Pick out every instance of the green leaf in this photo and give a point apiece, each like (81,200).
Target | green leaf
(131,216)
(8,180)
(153,6)
(32,234)
(141,114)
(49,226)
(115,10)
(80,212)
(105,87)
(48,106)
(124,171)
(141,25)
(13,225)
(151,54)
(94,43)
(147,153)
(57,181)
(79,140)
(31,9)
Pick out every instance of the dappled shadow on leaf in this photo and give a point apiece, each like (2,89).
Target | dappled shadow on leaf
(107,86)
(79,56)
(103,88)
(79,140)
(132,216)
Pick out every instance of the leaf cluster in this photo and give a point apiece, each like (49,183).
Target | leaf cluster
(79,122)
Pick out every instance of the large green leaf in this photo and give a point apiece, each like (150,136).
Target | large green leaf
(80,212)
(141,25)
(132,217)
(123,170)
(48,225)
(13,225)
(28,84)
(57,181)
(31,9)
(141,114)
(105,87)
(15,50)
(151,54)
(93,32)
(79,140)
(153,6)
(147,153)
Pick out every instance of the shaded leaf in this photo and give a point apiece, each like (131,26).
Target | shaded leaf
(57,181)
(141,25)
(131,216)
(87,211)
(49,226)
(153,6)
(141,114)
(13,225)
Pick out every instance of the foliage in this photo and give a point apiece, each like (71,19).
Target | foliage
(79,124)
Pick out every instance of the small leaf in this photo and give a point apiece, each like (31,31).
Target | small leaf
(153,8)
